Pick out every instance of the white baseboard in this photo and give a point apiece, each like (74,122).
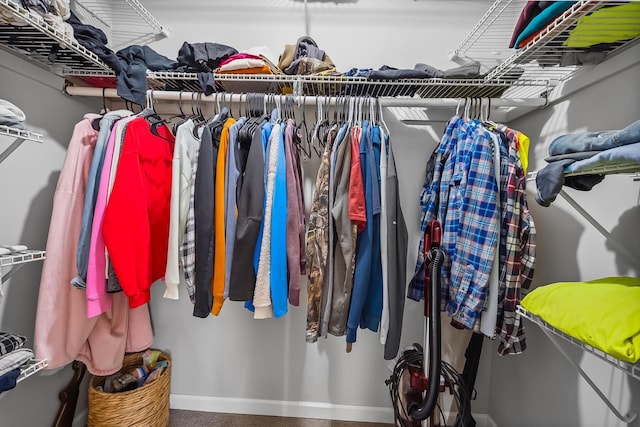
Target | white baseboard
(327,411)
(320,410)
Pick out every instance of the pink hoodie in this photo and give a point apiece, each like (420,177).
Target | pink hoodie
(63,332)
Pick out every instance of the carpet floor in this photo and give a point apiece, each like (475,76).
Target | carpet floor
(180,418)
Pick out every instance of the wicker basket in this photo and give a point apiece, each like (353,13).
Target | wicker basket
(147,406)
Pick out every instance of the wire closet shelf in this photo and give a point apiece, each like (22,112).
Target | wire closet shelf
(32,38)
(629,368)
(544,55)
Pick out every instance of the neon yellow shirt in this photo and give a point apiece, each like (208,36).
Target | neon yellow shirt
(607,25)
(523,149)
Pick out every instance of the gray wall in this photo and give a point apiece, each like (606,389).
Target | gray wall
(27,182)
(539,387)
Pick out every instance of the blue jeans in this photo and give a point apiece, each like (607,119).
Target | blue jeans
(595,141)
(84,241)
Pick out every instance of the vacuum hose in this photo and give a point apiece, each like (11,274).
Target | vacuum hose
(425,409)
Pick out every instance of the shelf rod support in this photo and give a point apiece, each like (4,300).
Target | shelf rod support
(624,418)
(600,228)
(10,149)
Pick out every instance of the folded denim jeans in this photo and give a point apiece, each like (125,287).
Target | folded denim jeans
(595,141)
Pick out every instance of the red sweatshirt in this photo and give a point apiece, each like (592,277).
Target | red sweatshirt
(136,219)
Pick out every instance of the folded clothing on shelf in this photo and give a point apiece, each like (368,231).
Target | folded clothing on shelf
(540,21)
(305,57)
(10,115)
(595,141)
(15,359)
(12,249)
(602,313)
(10,342)
(9,380)
(609,24)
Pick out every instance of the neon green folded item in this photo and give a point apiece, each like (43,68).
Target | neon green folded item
(603,313)
(606,25)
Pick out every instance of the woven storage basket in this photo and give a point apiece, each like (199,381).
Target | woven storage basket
(147,406)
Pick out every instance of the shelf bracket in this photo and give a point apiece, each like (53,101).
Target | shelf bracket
(600,228)
(6,276)
(628,418)
(10,149)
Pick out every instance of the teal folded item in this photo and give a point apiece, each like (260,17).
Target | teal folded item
(546,16)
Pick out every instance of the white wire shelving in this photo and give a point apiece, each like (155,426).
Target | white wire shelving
(530,72)
(32,38)
(125,22)
(16,261)
(21,258)
(43,44)
(312,85)
(630,169)
(619,168)
(19,136)
(631,369)
(30,368)
(544,56)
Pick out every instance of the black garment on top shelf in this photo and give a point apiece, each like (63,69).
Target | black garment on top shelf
(130,63)
(134,61)
(389,73)
(470,70)
(201,57)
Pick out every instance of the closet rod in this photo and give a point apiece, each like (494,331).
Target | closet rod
(307,100)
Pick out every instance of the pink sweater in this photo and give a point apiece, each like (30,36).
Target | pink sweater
(98,300)
(63,332)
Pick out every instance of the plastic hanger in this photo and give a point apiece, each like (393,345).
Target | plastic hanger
(381,118)
(182,115)
(255,119)
(315,135)
(154,118)
(487,113)
(95,123)
(467,108)
(303,131)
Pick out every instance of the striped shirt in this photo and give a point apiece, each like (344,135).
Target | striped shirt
(517,251)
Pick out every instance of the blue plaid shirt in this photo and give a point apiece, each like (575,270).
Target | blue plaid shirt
(429,200)
(463,196)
